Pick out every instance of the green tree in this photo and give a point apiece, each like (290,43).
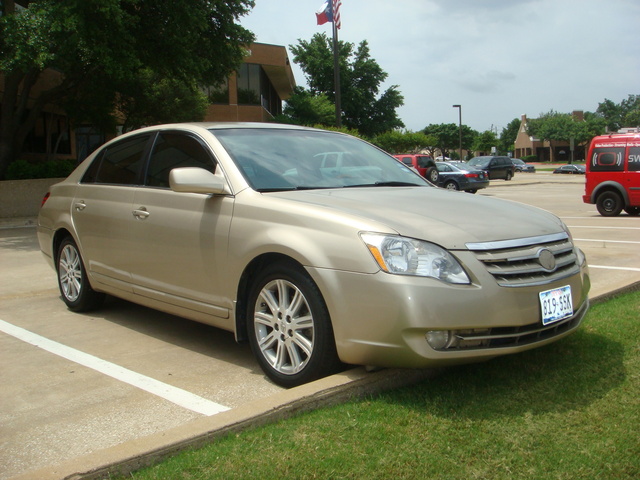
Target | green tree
(364,107)
(305,108)
(448,137)
(395,141)
(485,141)
(619,115)
(563,127)
(100,48)
(508,136)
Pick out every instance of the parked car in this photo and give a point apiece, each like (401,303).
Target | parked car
(571,169)
(456,177)
(496,167)
(424,164)
(239,226)
(522,166)
(613,174)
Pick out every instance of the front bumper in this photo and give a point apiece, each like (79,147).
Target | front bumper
(383,319)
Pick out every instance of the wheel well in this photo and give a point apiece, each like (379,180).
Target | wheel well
(58,237)
(246,279)
(610,187)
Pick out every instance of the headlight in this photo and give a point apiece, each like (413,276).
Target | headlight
(407,256)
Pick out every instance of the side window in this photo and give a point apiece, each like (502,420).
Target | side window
(423,162)
(407,161)
(634,159)
(174,150)
(119,163)
(607,159)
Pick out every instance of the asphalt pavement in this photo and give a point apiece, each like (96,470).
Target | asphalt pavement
(88,395)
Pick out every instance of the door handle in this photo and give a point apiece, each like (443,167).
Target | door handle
(141,213)
(80,205)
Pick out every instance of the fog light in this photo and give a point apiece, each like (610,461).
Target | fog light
(439,339)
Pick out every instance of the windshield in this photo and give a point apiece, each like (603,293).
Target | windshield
(283,159)
(479,162)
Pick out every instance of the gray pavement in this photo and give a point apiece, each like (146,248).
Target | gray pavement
(60,418)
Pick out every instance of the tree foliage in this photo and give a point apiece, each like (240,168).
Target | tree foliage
(485,142)
(619,115)
(364,106)
(448,137)
(305,108)
(104,51)
(508,136)
(395,141)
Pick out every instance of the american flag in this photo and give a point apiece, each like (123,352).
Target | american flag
(336,4)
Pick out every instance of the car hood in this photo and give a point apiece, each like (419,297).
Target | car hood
(450,219)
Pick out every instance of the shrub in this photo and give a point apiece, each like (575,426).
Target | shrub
(530,158)
(23,169)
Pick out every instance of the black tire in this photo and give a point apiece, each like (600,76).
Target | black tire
(74,285)
(451,185)
(633,211)
(432,175)
(609,204)
(473,190)
(289,327)
(508,176)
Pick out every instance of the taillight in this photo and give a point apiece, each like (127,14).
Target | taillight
(45,198)
(471,175)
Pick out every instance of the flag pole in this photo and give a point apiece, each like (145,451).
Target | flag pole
(336,74)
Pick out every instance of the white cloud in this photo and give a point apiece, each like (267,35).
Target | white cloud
(497,58)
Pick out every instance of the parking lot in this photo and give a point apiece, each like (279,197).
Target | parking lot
(76,384)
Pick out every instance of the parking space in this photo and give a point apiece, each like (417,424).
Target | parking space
(78,383)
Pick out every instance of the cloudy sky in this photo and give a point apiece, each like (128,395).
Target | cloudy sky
(499,59)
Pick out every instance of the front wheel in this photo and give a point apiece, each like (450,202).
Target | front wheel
(72,279)
(609,204)
(289,327)
(508,176)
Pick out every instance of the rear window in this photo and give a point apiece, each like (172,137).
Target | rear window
(119,163)
(424,161)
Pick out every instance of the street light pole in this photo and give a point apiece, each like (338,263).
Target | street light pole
(459,107)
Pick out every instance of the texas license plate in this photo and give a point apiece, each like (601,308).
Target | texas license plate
(556,304)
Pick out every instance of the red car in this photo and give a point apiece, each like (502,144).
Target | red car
(424,164)
(613,174)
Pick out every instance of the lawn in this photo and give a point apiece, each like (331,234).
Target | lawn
(566,411)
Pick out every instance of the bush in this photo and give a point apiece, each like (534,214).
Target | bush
(530,158)
(23,169)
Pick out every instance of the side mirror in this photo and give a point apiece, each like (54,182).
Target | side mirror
(196,180)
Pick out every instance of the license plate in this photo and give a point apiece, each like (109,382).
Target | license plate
(556,304)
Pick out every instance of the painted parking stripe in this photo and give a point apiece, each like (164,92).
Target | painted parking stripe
(170,393)
(604,241)
(628,269)
(605,228)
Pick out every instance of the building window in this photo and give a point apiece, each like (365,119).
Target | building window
(249,84)
(218,93)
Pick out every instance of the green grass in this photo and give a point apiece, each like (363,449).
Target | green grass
(570,410)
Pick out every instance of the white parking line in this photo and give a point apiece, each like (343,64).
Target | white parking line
(606,228)
(172,394)
(628,269)
(604,241)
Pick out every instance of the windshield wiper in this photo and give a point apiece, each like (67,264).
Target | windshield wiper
(384,184)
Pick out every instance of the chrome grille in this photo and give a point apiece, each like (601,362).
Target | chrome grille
(521,262)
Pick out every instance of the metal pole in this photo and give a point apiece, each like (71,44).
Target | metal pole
(459,107)
(336,75)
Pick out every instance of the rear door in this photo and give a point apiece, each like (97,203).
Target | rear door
(101,210)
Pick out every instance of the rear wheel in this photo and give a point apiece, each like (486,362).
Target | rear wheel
(72,279)
(609,204)
(289,327)
(451,185)
(508,176)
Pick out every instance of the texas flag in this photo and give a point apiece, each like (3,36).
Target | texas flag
(329,12)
